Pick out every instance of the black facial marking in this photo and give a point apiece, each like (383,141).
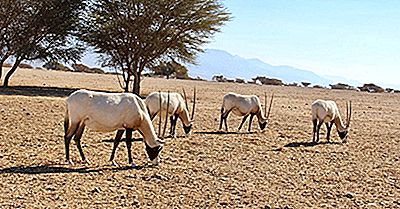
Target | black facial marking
(187,128)
(342,134)
(263,125)
(153,152)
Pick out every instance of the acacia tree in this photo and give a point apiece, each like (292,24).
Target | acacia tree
(10,11)
(44,30)
(134,35)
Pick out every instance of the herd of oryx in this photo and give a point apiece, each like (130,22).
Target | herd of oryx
(126,112)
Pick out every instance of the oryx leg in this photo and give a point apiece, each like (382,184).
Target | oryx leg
(77,139)
(226,123)
(69,133)
(243,120)
(225,117)
(315,122)
(318,128)
(328,129)
(116,142)
(129,145)
(173,119)
(222,118)
(250,121)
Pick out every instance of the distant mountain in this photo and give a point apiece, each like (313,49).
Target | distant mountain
(218,62)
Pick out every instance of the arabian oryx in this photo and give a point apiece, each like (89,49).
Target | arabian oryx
(106,112)
(327,112)
(158,102)
(245,105)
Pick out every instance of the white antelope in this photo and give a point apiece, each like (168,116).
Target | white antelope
(327,112)
(106,112)
(176,105)
(245,105)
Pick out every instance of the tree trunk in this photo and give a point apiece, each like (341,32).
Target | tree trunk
(1,69)
(11,72)
(136,84)
(137,72)
(1,65)
(127,80)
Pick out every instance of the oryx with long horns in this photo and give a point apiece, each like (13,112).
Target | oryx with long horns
(327,112)
(175,105)
(106,112)
(245,105)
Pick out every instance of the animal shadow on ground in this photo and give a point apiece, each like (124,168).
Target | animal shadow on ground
(46,169)
(43,169)
(222,132)
(139,139)
(176,137)
(122,140)
(37,91)
(309,144)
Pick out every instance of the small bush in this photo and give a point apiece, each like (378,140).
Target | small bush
(7,65)
(24,65)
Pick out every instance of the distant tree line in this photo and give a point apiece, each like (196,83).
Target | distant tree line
(130,36)
(262,80)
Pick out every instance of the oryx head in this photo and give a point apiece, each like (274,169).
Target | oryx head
(154,152)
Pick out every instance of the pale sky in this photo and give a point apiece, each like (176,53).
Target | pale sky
(356,39)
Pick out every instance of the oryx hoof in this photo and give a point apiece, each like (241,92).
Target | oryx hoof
(155,162)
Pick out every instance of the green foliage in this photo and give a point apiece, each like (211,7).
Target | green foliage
(48,29)
(39,29)
(171,68)
(134,35)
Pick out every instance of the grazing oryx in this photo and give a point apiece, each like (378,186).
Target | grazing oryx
(177,108)
(108,112)
(327,112)
(244,105)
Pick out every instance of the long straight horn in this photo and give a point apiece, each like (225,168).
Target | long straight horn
(270,105)
(265,104)
(349,115)
(184,95)
(347,112)
(166,116)
(159,111)
(194,102)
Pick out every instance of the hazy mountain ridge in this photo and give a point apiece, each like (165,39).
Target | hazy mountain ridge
(218,62)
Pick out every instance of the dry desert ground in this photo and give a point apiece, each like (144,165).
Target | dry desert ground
(275,168)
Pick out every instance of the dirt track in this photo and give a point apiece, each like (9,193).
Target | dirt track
(278,167)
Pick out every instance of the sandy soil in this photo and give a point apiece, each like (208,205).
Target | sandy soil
(275,168)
